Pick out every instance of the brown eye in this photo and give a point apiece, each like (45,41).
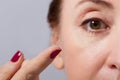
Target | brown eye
(94,25)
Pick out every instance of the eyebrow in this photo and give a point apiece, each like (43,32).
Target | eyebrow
(98,2)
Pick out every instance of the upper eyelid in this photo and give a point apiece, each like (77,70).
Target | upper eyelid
(93,19)
(101,17)
(96,12)
(82,15)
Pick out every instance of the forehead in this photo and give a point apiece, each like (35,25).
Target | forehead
(69,6)
(73,2)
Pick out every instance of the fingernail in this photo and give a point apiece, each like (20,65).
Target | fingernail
(54,54)
(16,56)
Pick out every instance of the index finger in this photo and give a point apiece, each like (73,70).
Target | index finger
(38,64)
(45,58)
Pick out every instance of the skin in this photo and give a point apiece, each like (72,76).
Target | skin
(25,69)
(87,54)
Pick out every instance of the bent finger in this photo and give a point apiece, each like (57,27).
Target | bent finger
(31,68)
(45,58)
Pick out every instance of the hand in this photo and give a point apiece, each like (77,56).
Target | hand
(19,69)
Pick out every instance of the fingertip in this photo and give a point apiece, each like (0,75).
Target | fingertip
(17,56)
(12,66)
(55,53)
(51,52)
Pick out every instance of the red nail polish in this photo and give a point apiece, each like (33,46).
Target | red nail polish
(54,54)
(16,56)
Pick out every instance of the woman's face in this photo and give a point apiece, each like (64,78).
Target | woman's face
(90,39)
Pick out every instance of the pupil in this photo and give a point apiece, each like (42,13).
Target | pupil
(95,25)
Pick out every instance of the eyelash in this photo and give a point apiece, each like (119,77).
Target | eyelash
(86,26)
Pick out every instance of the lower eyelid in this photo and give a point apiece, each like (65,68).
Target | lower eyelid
(106,18)
(101,33)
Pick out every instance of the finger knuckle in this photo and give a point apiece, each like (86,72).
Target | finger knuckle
(30,76)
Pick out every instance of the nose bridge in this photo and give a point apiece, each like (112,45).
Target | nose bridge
(116,41)
(114,55)
(113,58)
(116,38)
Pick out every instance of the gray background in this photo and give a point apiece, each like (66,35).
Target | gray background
(23,26)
